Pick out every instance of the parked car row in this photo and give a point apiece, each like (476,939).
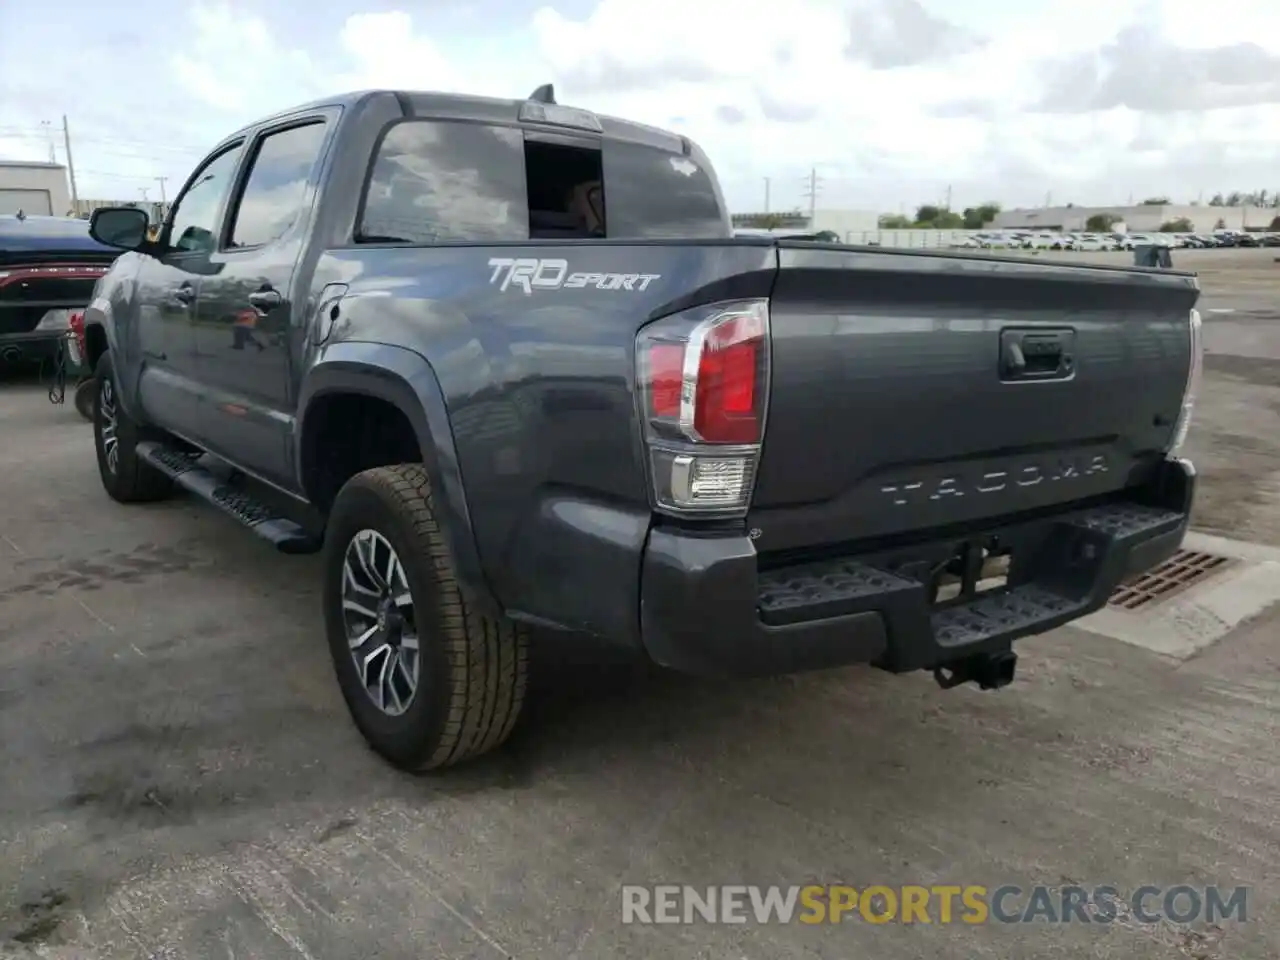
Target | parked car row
(1049,240)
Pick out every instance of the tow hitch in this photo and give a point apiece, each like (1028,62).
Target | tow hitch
(990,671)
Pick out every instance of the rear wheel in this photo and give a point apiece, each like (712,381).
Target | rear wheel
(428,681)
(85,390)
(125,476)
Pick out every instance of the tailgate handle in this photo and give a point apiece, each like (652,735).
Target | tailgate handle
(1036,355)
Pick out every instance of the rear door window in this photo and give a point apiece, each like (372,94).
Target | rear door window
(655,194)
(446,182)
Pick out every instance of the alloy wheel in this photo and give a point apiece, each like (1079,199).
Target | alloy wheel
(110,436)
(380,621)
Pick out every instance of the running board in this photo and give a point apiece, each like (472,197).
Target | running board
(185,470)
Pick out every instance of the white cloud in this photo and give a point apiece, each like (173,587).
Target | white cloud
(894,101)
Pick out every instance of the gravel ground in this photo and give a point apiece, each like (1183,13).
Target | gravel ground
(178,777)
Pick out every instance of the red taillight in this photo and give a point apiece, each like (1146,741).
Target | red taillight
(728,372)
(666,374)
(76,322)
(703,376)
(723,402)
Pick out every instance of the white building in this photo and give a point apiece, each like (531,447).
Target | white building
(39,189)
(848,225)
(851,226)
(1138,219)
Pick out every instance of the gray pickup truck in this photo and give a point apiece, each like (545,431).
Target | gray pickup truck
(506,365)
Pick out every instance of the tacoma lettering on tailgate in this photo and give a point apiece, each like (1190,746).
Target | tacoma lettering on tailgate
(994,481)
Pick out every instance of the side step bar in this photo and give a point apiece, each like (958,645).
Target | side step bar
(265,521)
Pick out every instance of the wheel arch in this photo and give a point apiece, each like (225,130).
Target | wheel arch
(406,381)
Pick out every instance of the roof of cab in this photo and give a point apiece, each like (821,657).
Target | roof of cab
(460,106)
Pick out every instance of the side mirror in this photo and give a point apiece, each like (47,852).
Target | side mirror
(123,227)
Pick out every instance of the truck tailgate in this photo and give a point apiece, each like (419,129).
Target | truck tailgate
(911,392)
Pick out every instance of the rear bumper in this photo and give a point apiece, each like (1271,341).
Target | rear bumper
(707,608)
(26,347)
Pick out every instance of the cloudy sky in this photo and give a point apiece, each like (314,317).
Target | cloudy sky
(893,101)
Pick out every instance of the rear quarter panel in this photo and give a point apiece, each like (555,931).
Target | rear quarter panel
(539,388)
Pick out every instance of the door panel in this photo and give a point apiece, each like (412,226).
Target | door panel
(245,340)
(168,296)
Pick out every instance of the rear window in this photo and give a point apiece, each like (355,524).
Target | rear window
(653,194)
(451,181)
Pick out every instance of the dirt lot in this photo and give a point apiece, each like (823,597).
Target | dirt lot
(178,778)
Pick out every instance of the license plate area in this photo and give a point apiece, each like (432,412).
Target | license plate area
(967,570)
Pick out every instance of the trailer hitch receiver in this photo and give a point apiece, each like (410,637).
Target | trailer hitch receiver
(990,671)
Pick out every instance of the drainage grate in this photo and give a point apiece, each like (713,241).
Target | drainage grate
(1183,569)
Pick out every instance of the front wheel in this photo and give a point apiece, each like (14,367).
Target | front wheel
(125,476)
(428,681)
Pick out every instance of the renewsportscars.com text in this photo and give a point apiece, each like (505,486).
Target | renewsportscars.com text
(969,904)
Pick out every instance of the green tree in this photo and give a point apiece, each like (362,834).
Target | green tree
(975,218)
(1217,201)
(931,217)
(927,213)
(894,221)
(769,221)
(1156,202)
(1180,225)
(1220,225)
(1101,222)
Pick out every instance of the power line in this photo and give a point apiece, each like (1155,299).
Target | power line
(13,133)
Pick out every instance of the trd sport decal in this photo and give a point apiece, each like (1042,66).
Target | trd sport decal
(530,275)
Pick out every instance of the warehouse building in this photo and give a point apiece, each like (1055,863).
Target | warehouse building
(849,225)
(1138,219)
(37,189)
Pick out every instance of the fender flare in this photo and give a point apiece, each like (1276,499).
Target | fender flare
(406,380)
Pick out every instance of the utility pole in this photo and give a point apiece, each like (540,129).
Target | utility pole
(48,132)
(71,167)
(161,181)
(811,191)
(766,194)
(948,206)
(143,191)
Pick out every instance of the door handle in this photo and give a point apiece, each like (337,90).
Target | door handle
(266,299)
(185,294)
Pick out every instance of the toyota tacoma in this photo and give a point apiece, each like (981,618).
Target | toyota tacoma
(505,364)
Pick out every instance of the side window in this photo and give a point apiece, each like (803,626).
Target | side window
(445,181)
(194,220)
(275,193)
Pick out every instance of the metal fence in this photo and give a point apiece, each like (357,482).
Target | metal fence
(909,239)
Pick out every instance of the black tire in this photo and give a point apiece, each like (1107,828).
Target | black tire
(472,669)
(129,479)
(84,394)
